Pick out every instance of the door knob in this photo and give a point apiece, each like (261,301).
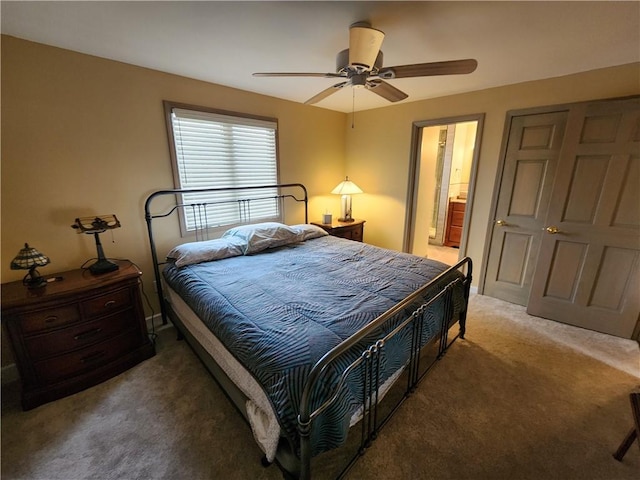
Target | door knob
(552,230)
(501,223)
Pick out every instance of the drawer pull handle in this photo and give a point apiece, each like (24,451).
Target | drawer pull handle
(51,319)
(92,358)
(110,304)
(88,334)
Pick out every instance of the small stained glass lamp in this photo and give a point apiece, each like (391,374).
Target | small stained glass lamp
(29,258)
(96,226)
(346,189)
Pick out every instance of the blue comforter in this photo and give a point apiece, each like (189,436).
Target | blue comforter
(279,311)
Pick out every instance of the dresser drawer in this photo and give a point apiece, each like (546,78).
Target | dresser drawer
(458,206)
(79,336)
(455,234)
(457,218)
(72,364)
(105,304)
(46,319)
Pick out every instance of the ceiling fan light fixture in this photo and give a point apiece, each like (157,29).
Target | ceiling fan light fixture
(364,45)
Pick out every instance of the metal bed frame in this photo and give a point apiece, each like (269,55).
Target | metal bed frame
(422,357)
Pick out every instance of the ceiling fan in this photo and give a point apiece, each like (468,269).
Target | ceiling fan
(361,66)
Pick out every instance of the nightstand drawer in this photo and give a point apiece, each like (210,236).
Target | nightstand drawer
(355,234)
(72,364)
(79,336)
(350,230)
(50,318)
(105,304)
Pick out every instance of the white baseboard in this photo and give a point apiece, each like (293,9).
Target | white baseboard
(153,320)
(154,323)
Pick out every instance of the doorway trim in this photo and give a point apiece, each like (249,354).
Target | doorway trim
(414,175)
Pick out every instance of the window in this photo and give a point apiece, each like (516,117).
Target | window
(213,149)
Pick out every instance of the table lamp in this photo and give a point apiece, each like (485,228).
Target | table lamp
(96,226)
(29,258)
(346,188)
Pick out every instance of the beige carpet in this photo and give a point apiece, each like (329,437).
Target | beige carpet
(520,398)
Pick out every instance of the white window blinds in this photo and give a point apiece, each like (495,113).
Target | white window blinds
(214,151)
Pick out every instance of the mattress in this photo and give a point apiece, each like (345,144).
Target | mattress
(276,313)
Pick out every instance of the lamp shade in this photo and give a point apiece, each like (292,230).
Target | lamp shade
(346,187)
(364,45)
(98,224)
(29,257)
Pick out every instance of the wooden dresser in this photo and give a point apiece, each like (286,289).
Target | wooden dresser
(455,222)
(76,332)
(349,230)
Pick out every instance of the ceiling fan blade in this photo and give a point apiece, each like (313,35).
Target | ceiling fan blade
(296,74)
(364,45)
(325,93)
(386,90)
(452,67)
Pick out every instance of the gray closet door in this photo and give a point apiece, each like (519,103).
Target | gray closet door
(531,157)
(588,268)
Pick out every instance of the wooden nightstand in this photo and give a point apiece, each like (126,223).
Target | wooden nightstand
(76,332)
(350,230)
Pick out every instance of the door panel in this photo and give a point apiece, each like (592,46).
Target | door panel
(587,268)
(568,258)
(533,147)
(627,210)
(585,188)
(516,249)
(527,188)
(615,275)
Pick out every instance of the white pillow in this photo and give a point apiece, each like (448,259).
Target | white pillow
(198,252)
(308,231)
(260,236)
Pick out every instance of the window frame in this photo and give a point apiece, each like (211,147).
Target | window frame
(169,106)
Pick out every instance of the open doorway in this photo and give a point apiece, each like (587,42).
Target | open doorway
(441,180)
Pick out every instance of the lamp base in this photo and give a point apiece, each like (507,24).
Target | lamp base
(345,220)
(103,266)
(34,280)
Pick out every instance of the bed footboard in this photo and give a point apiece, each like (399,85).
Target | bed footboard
(367,364)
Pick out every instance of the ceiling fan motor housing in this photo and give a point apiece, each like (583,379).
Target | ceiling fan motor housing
(342,63)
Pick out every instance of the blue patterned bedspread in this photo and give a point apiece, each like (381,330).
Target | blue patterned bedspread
(279,311)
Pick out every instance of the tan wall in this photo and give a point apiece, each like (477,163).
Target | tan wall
(83,135)
(378,148)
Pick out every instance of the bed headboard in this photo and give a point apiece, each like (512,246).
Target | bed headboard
(204,212)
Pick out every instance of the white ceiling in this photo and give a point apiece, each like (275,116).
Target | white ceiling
(224,42)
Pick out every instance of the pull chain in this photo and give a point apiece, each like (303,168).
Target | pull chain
(353,107)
